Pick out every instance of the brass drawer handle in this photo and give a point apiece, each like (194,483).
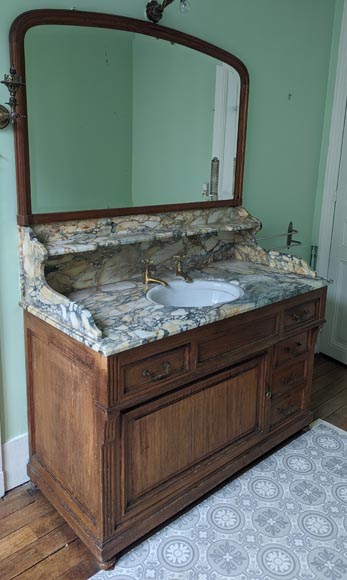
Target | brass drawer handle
(287,411)
(301,316)
(152,377)
(294,349)
(289,380)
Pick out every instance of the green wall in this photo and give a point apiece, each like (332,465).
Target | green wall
(80,122)
(286,47)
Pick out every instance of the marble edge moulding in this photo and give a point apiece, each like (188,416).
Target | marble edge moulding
(206,236)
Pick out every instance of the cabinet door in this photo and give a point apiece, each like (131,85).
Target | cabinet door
(176,440)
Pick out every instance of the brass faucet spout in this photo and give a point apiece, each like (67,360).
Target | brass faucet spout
(147,276)
(151,280)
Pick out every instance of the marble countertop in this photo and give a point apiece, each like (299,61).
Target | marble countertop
(127,319)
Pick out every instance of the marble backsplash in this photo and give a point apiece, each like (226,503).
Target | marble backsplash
(69,272)
(108,265)
(58,259)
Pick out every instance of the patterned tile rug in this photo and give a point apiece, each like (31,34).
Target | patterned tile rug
(286,518)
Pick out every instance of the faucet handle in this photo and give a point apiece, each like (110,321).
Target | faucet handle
(147,262)
(146,270)
(179,268)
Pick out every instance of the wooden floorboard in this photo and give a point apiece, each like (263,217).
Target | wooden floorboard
(26,558)
(36,543)
(24,516)
(21,538)
(15,501)
(329,391)
(60,563)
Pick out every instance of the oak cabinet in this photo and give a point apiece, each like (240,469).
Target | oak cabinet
(120,444)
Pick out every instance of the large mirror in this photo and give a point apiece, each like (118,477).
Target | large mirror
(124,118)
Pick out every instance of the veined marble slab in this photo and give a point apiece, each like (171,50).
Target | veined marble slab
(127,319)
(62,247)
(89,235)
(92,230)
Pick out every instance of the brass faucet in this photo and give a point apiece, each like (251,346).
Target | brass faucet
(179,269)
(147,276)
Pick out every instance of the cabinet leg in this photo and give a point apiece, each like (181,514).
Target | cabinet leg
(107,565)
(32,488)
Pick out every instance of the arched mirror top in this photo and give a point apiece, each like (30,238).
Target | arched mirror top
(118,116)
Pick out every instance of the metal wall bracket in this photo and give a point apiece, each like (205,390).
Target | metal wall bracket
(289,235)
(13,82)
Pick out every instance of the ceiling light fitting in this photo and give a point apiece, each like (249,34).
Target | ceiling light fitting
(155,9)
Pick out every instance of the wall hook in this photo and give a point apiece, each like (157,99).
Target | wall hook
(290,241)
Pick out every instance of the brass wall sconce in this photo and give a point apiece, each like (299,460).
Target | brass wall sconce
(155,9)
(13,82)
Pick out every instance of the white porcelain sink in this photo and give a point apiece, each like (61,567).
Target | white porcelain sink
(195,294)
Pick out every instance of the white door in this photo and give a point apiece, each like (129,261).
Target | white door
(334,336)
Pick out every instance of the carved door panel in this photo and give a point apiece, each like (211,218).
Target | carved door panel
(174,441)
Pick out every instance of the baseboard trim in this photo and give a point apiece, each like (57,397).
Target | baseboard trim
(15,453)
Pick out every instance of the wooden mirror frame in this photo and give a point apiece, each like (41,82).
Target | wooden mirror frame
(42,17)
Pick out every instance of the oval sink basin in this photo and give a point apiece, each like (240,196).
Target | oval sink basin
(198,293)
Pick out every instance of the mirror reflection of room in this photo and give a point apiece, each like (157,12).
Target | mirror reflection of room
(127,120)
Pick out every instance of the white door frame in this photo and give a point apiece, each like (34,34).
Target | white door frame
(2,475)
(334,153)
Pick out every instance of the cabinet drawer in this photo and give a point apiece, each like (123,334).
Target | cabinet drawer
(301,314)
(153,371)
(287,406)
(291,347)
(288,377)
(242,336)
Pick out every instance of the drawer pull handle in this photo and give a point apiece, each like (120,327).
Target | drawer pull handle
(301,316)
(287,411)
(294,349)
(268,394)
(289,380)
(152,377)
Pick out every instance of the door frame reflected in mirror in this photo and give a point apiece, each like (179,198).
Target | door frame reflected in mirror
(28,20)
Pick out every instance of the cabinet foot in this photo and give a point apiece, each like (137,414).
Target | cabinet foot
(32,488)
(107,565)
